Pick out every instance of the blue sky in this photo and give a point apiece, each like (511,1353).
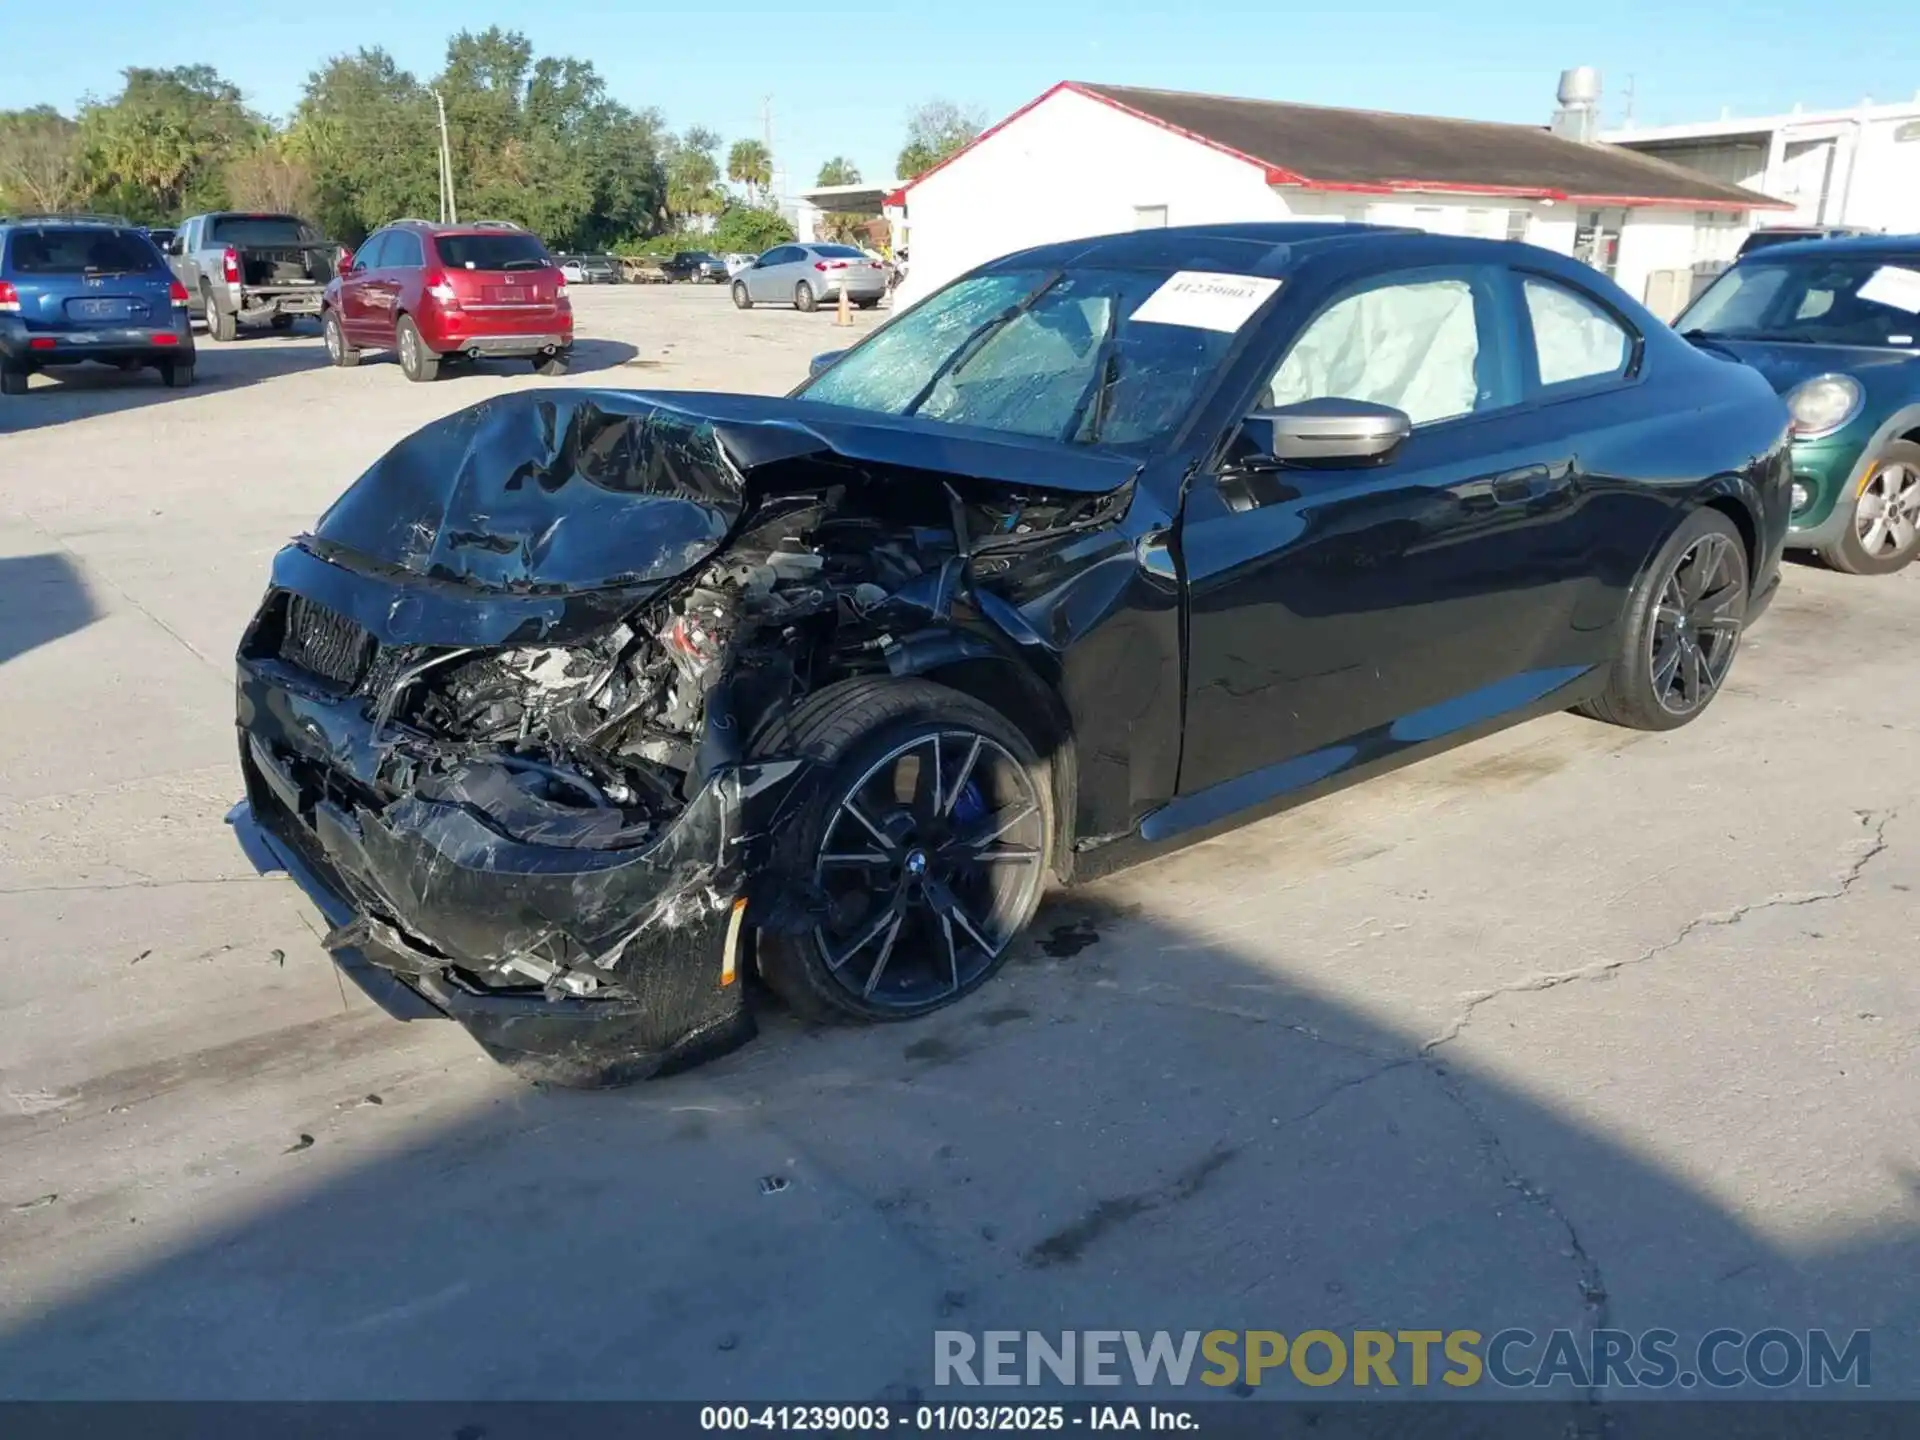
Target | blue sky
(713,64)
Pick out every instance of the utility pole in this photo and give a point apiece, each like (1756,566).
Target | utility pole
(449,211)
(1628,122)
(766,139)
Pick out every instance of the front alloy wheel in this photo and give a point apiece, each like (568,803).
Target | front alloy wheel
(931,862)
(1696,624)
(1885,533)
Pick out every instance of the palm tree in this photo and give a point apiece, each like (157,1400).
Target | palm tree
(750,163)
(839,171)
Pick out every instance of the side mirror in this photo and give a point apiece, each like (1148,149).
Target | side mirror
(1331,433)
(822,361)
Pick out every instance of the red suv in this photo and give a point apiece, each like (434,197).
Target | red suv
(439,293)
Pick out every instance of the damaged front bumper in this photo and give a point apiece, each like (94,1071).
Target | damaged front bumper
(618,963)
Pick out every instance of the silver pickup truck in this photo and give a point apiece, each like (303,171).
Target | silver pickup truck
(241,267)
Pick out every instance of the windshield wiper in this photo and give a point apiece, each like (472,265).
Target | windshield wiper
(1106,370)
(976,340)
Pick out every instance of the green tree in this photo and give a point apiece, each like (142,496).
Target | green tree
(839,171)
(40,161)
(160,148)
(750,163)
(368,133)
(750,229)
(936,130)
(268,178)
(693,177)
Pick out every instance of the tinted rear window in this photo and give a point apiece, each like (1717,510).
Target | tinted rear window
(840,252)
(74,250)
(260,230)
(501,251)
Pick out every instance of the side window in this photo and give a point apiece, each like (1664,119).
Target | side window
(403,251)
(1573,338)
(782,255)
(1412,343)
(372,255)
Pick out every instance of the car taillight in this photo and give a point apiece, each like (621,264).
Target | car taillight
(441,289)
(230,265)
(345,261)
(560,291)
(9,297)
(829,264)
(177,294)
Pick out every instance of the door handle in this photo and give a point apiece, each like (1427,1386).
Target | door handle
(1517,487)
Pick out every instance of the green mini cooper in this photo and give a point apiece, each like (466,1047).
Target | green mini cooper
(1835,325)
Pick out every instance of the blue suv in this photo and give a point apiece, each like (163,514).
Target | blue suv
(75,289)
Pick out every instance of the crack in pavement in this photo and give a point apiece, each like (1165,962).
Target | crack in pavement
(109,885)
(1879,820)
(1593,1284)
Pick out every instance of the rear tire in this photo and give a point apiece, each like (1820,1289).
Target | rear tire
(417,362)
(1681,630)
(13,382)
(339,351)
(220,325)
(940,903)
(1883,533)
(803,299)
(177,374)
(741,299)
(866,304)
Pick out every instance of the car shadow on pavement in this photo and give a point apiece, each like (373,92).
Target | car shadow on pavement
(42,598)
(81,392)
(1136,1126)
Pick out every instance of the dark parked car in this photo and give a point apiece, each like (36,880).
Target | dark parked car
(75,291)
(1835,326)
(1772,235)
(439,293)
(578,704)
(696,265)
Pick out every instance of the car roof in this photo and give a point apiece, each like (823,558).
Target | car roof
(1844,245)
(1257,248)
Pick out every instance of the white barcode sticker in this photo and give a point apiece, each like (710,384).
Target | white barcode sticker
(1206,300)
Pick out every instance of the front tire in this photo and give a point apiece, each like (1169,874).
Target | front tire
(803,298)
(417,362)
(926,839)
(741,299)
(338,350)
(1681,631)
(1883,534)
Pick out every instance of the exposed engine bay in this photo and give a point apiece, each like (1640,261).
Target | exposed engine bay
(597,744)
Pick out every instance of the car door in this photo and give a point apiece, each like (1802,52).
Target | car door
(767,279)
(396,286)
(354,309)
(1335,614)
(180,258)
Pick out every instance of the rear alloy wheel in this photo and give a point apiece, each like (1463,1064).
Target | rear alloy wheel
(176,374)
(1885,533)
(741,298)
(1682,628)
(803,297)
(220,326)
(926,843)
(338,350)
(13,382)
(417,362)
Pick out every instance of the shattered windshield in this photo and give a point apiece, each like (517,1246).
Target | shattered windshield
(1050,354)
(1813,300)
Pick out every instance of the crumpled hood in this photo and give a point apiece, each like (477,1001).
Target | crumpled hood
(568,489)
(1786,366)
